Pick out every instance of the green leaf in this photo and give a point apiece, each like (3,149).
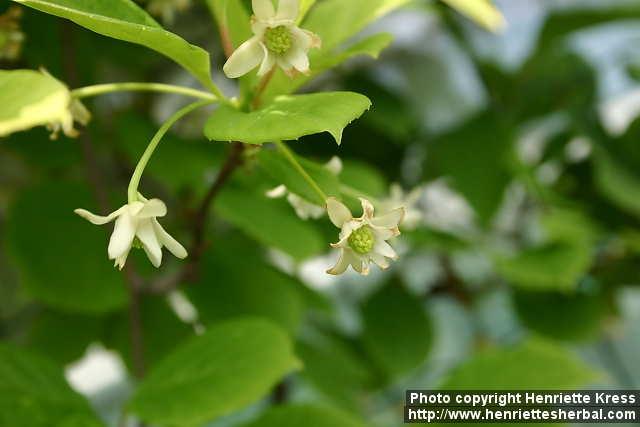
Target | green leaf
(554,266)
(558,263)
(34,393)
(534,364)
(307,415)
(271,222)
(61,258)
(228,289)
(619,184)
(31,98)
(566,317)
(480,11)
(124,20)
(335,21)
(228,367)
(397,332)
(275,165)
(63,337)
(288,118)
(335,369)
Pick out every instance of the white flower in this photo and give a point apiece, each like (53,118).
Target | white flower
(277,40)
(363,239)
(303,208)
(398,198)
(136,224)
(76,112)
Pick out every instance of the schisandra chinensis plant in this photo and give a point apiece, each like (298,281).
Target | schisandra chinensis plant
(268,114)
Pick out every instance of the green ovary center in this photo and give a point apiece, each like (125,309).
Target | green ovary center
(137,244)
(362,240)
(278,39)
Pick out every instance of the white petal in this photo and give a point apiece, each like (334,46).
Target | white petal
(316,41)
(276,193)
(122,236)
(301,38)
(383,248)
(168,241)
(338,213)
(244,59)
(152,209)
(382,233)
(286,66)
(297,57)
(341,265)
(379,260)
(263,9)
(389,220)
(359,264)
(288,10)
(367,208)
(268,62)
(334,165)
(147,236)
(97,219)
(121,260)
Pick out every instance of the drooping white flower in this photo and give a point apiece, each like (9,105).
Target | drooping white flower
(304,209)
(76,112)
(364,239)
(409,201)
(136,225)
(277,40)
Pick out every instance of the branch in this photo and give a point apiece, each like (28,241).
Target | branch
(190,270)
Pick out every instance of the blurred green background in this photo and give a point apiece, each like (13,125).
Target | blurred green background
(523,271)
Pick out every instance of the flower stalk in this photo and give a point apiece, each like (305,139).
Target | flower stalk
(101,89)
(132,192)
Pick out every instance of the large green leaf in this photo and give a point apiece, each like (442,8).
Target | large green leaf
(533,364)
(34,393)
(275,165)
(306,415)
(124,20)
(288,118)
(617,182)
(558,315)
(227,288)
(335,369)
(228,367)
(558,263)
(397,332)
(553,266)
(61,258)
(31,98)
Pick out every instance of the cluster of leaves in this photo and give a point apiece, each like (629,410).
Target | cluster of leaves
(573,244)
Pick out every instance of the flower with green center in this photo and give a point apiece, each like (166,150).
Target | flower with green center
(277,40)
(137,227)
(363,240)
